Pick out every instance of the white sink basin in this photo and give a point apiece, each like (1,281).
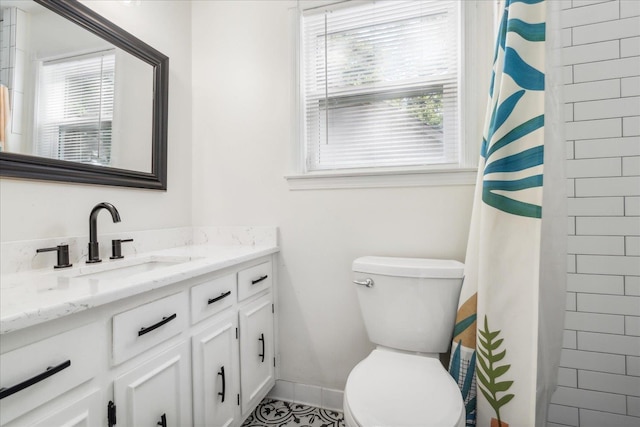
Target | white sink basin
(126,268)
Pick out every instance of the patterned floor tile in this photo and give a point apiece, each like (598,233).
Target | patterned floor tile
(286,414)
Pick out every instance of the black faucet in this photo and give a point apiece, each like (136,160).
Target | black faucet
(94,249)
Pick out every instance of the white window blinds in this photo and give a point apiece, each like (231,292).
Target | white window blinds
(75,111)
(380,84)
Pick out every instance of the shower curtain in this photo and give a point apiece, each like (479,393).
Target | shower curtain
(499,335)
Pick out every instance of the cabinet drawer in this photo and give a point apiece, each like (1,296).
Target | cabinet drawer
(39,372)
(254,279)
(212,297)
(143,327)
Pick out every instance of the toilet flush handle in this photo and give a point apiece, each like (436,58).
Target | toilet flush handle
(368,282)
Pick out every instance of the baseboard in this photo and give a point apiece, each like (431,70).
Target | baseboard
(308,394)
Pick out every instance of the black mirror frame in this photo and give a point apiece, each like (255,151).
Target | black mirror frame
(32,167)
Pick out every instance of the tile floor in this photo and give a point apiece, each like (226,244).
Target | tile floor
(286,414)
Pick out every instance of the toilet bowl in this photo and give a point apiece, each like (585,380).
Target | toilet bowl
(408,307)
(391,389)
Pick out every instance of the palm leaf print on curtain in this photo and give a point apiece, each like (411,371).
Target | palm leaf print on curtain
(503,253)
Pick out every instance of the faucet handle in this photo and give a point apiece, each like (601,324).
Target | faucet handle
(116,248)
(63,255)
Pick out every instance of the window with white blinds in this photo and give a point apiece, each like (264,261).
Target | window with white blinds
(75,108)
(379,82)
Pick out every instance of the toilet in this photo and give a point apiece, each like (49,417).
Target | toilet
(409,307)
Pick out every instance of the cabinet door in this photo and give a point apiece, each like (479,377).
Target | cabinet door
(216,379)
(156,392)
(256,351)
(85,412)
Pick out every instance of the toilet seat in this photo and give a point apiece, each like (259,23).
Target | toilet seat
(391,389)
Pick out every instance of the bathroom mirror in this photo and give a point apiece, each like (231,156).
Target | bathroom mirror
(81,99)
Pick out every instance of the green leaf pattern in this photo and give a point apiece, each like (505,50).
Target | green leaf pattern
(489,371)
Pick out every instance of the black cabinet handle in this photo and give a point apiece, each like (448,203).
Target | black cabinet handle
(51,370)
(253,282)
(261,339)
(224,385)
(111,414)
(163,420)
(164,320)
(216,299)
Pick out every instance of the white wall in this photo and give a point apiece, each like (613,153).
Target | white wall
(38,209)
(132,113)
(241,130)
(599,377)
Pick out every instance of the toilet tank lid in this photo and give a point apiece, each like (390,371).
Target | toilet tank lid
(410,267)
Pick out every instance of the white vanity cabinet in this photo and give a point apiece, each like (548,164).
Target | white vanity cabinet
(198,352)
(236,354)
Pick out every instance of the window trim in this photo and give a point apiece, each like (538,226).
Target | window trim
(382,178)
(477,54)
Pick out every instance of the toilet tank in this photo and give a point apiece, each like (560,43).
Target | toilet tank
(412,303)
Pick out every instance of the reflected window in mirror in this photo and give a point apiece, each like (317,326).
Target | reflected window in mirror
(75,114)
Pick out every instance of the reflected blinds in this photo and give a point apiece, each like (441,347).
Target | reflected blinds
(76,108)
(380,84)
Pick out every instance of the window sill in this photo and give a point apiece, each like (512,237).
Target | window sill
(381,179)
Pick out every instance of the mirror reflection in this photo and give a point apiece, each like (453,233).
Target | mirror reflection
(67,94)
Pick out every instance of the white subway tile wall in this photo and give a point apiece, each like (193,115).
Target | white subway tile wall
(630,86)
(13,60)
(631,125)
(599,378)
(568,377)
(632,206)
(633,406)
(633,366)
(613,363)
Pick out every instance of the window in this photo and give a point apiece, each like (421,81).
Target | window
(386,89)
(381,85)
(75,112)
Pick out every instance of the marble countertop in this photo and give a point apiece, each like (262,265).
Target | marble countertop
(33,297)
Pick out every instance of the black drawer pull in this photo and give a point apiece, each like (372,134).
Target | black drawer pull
(163,420)
(253,282)
(224,385)
(216,299)
(262,354)
(164,320)
(51,370)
